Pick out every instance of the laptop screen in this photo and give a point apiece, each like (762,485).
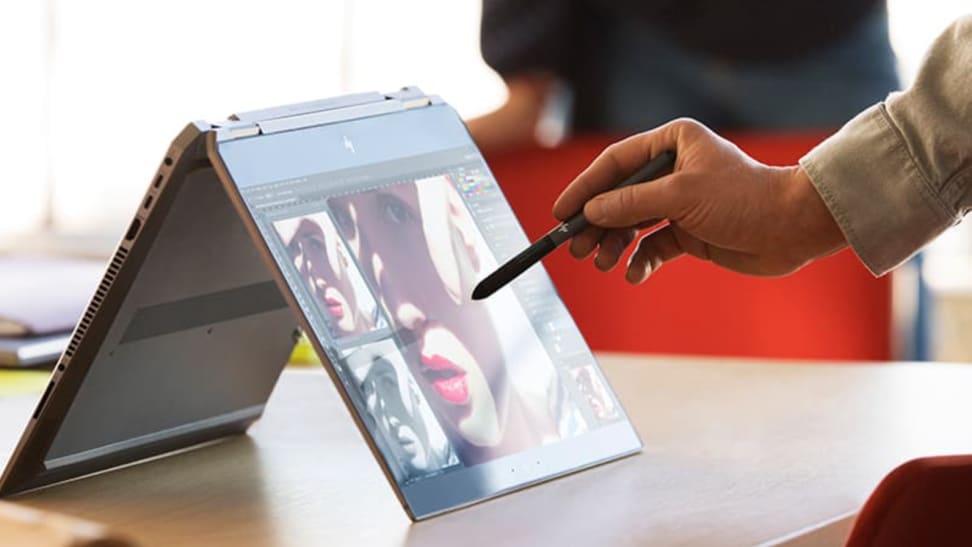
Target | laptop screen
(381,228)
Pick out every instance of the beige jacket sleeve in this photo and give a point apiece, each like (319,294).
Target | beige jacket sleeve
(900,173)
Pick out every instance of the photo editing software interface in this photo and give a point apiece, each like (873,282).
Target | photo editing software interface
(382,258)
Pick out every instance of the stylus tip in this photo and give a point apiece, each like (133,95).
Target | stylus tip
(482,290)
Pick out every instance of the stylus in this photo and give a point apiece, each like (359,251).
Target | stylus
(656,167)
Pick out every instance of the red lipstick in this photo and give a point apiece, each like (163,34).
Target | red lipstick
(447,379)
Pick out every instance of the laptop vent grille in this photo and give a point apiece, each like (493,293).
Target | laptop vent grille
(113,267)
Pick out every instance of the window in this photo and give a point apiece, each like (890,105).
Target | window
(98,89)
(94,91)
(23,144)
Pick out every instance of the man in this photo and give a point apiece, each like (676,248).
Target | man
(886,184)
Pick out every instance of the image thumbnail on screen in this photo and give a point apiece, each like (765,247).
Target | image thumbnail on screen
(324,266)
(397,412)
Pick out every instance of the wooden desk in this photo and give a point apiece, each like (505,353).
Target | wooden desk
(737,453)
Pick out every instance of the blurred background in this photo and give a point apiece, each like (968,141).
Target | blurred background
(94,91)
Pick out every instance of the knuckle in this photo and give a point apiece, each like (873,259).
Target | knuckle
(689,123)
(689,127)
(610,155)
(626,202)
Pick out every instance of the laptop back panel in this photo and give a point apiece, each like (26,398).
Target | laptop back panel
(183,341)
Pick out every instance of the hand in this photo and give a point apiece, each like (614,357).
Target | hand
(718,204)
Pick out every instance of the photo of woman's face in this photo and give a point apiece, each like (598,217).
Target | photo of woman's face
(407,435)
(399,413)
(415,241)
(323,263)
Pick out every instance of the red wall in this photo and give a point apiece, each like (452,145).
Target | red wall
(833,309)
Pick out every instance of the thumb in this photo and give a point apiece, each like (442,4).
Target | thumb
(632,205)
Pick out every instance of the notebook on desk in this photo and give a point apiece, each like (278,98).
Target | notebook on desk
(43,295)
(32,351)
(41,299)
(364,221)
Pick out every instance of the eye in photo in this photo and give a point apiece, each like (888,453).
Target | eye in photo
(325,269)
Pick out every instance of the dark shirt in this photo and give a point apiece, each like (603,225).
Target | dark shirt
(531,35)
(610,53)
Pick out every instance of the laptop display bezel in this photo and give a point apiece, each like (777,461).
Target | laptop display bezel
(256,160)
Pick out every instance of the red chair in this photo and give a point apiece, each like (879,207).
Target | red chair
(833,309)
(927,501)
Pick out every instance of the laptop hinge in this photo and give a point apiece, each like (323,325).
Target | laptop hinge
(315,113)
(228,131)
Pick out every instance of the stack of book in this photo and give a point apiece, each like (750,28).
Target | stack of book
(41,299)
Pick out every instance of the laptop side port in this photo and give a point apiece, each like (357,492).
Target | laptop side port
(43,401)
(133,229)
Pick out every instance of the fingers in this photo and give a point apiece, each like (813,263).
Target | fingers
(612,246)
(638,204)
(584,243)
(614,164)
(653,250)
(672,242)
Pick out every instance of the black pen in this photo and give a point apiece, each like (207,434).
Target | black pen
(659,165)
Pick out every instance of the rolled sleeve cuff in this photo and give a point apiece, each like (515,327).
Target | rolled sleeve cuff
(879,197)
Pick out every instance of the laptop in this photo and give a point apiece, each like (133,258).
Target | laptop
(364,221)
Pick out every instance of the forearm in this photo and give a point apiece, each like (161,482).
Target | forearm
(900,173)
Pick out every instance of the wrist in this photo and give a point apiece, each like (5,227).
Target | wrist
(816,232)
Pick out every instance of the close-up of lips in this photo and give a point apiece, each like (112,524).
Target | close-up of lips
(441,351)
(334,301)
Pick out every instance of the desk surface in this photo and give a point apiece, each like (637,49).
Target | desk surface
(738,452)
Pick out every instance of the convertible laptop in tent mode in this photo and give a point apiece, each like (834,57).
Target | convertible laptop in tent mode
(364,221)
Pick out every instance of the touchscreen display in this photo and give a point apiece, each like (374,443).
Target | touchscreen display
(382,227)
